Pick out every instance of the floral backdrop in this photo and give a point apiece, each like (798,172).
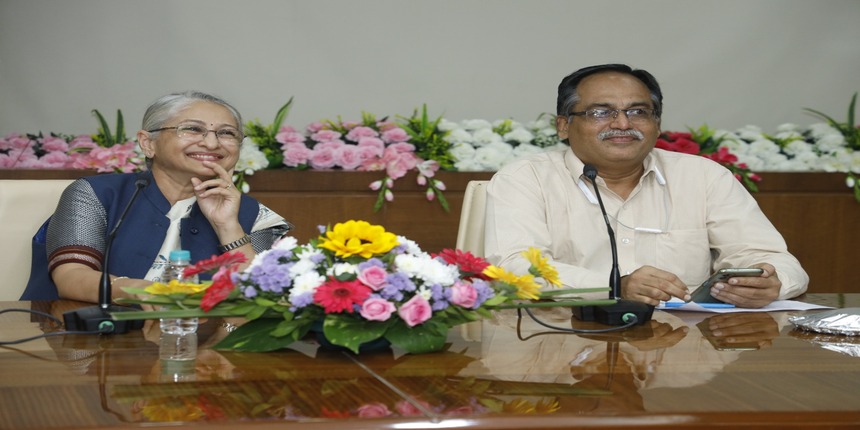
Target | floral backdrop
(395,145)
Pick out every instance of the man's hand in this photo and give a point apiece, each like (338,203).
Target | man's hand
(750,291)
(651,285)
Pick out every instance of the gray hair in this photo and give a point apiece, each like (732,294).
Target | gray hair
(166,107)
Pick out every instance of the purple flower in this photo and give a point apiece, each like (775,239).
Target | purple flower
(437,295)
(302,300)
(485,292)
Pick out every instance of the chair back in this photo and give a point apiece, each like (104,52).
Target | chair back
(470,233)
(25,204)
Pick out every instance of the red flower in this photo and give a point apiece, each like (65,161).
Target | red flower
(681,144)
(722,156)
(215,262)
(470,265)
(341,296)
(222,286)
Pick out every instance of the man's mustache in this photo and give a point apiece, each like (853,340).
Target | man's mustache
(606,134)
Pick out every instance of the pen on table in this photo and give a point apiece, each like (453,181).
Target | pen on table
(704,305)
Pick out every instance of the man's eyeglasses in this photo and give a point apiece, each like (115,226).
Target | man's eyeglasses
(640,115)
(195,132)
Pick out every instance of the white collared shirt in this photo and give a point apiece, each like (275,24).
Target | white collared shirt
(687,215)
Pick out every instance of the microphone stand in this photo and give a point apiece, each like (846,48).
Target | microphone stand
(97,318)
(623,311)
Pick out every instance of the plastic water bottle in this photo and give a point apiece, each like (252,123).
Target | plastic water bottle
(174,350)
(178,261)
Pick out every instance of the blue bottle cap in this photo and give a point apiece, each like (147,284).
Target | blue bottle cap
(180,254)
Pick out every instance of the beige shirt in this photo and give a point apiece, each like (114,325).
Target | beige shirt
(688,215)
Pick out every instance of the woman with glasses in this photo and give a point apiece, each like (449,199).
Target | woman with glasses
(185,200)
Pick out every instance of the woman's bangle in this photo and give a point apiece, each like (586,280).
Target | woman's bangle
(234,244)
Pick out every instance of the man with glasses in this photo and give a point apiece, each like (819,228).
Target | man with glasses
(187,200)
(677,217)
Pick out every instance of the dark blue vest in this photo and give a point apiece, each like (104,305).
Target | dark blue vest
(141,234)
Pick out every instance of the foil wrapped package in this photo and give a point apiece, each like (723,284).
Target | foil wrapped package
(837,321)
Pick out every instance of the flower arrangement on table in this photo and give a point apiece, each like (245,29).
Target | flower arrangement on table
(419,143)
(102,152)
(357,283)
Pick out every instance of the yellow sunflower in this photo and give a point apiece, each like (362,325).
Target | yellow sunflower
(540,266)
(358,238)
(525,285)
(174,287)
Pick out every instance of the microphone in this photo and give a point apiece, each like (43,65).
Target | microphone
(623,311)
(97,318)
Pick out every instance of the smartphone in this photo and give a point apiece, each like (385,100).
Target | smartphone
(720,344)
(703,293)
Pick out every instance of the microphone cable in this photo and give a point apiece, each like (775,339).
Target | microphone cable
(630,320)
(103,330)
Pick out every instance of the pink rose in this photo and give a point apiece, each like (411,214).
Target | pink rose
(54,160)
(395,135)
(295,154)
(82,141)
(372,142)
(398,167)
(51,144)
(376,309)
(401,147)
(323,158)
(374,410)
(357,133)
(415,311)
(463,294)
(348,157)
(325,135)
(373,277)
(315,127)
(289,135)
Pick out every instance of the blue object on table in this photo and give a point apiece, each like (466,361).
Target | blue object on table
(704,305)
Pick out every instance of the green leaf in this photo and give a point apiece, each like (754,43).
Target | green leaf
(120,128)
(105,130)
(255,336)
(279,118)
(429,336)
(351,332)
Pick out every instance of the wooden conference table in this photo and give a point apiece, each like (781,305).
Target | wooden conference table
(502,373)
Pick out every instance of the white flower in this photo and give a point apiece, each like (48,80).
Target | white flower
(850,182)
(519,135)
(339,269)
(458,135)
(762,146)
(409,246)
(462,151)
(750,133)
(286,243)
(819,130)
(250,157)
(788,128)
(469,165)
(445,125)
(476,124)
(494,155)
(427,269)
(307,282)
(830,142)
(485,136)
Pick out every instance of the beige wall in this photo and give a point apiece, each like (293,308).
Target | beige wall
(726,62)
